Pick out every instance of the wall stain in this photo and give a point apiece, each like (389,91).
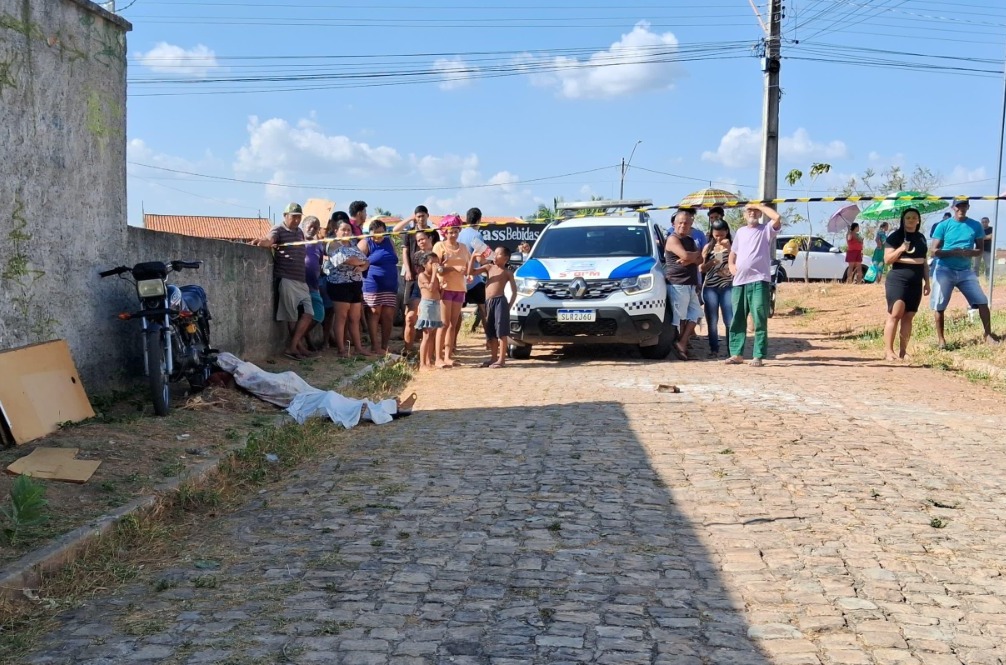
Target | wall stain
(20,281)
(22,26)
(68,50)
(7,76)
(113,47)
(103,119)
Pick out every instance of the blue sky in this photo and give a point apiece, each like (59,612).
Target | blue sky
(455,103)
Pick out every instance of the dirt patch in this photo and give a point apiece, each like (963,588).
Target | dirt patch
(139,452)
(853,317)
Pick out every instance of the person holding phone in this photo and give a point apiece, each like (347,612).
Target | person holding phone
(905,251)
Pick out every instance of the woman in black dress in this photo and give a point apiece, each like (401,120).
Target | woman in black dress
(907,282)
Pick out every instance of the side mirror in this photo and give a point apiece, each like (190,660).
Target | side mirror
(517,257)
(835,250)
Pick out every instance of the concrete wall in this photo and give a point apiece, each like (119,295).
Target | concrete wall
(63,184)
(63,201)
(238,283)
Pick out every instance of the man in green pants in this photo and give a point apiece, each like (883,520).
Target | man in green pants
(751,265)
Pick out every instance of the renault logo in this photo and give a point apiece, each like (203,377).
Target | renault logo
(578,287)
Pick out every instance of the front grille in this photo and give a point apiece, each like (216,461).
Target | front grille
(596,289)
(599,328)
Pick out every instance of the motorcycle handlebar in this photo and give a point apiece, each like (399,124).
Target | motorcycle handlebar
(191,265)
(113,271)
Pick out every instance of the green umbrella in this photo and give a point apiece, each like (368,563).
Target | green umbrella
(888,209)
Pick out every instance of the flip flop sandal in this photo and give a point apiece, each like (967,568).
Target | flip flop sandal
(406,404)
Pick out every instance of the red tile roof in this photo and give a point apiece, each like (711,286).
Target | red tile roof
(221,228)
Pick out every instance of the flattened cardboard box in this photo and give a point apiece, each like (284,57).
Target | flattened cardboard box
(39,389)
(55,464)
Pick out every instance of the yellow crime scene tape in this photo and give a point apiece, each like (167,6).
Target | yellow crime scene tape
(400,233)
(722,204)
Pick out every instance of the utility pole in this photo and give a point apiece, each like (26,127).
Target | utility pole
(999,191)
(770,115)
(625,166)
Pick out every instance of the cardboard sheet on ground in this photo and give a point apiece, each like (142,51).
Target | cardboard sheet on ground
(301,399)
(320,208)
(40,388)
(55,464)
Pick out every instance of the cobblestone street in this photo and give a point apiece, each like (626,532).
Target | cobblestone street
(824,509)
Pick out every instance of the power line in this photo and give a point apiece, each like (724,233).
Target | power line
(372,189)
(328,5)
(182,191)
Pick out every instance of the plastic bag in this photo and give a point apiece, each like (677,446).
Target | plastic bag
(871,274)
(279,389)
(343,410)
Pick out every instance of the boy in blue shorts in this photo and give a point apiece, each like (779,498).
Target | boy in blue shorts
(497,321)
(956,243)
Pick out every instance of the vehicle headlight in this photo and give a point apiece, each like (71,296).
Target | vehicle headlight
(150,288)
(633,285)
(526,287)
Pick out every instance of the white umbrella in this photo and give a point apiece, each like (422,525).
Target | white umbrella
(843,219)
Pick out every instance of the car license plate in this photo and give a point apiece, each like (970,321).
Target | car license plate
(579,315)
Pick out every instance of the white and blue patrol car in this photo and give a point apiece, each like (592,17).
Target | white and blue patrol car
(594,280)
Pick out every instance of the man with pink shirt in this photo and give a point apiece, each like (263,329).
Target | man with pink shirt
(751,265)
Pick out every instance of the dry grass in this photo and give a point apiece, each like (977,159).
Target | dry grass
(139,452)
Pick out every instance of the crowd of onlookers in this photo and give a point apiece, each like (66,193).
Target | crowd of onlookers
(729,274)
(344,282)
(342,278)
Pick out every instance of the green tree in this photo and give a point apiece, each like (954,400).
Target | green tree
(891,180)
(542,214)
(817,169)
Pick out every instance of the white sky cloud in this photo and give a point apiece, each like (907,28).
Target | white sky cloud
(167,58)
(624,68)
(963,175)
(509,196)
(446,170)
(454,72)
(280,151)
(304,149)
(740,147)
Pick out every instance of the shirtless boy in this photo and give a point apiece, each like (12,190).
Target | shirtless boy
(497,323)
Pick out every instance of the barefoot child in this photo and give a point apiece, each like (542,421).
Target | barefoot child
(429,308)
(497,323)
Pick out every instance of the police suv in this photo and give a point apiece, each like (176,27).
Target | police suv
(594,280)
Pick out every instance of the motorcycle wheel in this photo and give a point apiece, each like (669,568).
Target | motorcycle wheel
(160,391)
(771,302)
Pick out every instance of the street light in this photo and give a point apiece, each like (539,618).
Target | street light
(625,167)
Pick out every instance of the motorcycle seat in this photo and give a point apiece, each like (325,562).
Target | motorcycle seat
(194,298)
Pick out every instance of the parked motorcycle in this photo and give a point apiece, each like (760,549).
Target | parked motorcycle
(175,324)
(773,286)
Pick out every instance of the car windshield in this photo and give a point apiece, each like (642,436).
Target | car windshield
(577,242)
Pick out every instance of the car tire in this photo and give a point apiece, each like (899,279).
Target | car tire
(662,348)
(519,351)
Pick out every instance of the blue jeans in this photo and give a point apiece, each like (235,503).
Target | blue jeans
(946,279)
(717,300)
